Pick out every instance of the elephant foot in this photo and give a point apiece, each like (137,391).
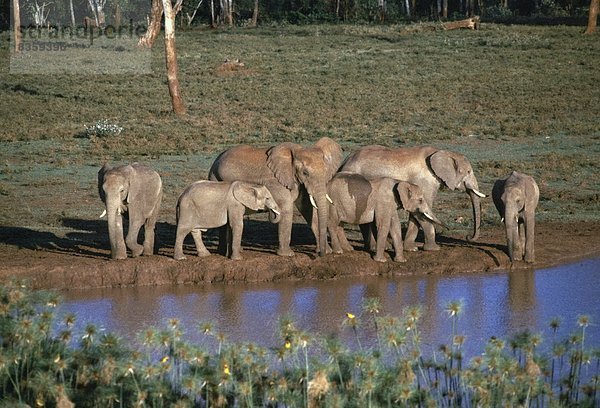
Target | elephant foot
(285,252)
(180,257)
(236,257)
(119,257)
(399,259)
(380,259)
(410,247)
(203,254)
(431,247)
(135,252)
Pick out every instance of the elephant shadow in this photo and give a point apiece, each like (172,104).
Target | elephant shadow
(487,248)
(27,238)
(258,236)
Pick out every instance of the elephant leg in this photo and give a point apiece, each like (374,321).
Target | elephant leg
(529,238)
(429,233)
(383,230)
(197,235)
(179,238)
(149,236)
(396,233)
(411,235)
(343,239)
(132,236)
(284,232)
(311,216)
(237,227)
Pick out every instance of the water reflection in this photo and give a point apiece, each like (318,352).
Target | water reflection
(493,305)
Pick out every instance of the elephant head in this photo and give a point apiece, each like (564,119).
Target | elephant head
(456,172)
(412,200)
(311,167)
(256,197)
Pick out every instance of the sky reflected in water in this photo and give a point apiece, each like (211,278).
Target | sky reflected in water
(494,304)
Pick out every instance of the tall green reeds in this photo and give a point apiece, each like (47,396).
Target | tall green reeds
(44,363)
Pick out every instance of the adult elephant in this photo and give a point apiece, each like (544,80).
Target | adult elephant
(427,167)
(134,189)
(287,170)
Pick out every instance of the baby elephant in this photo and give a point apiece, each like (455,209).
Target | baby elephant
(357,200)
(516,198)
(136,190)
(211,204)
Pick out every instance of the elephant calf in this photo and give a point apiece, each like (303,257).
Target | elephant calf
(211,204)
(134,189)
(516,199)
(357,200)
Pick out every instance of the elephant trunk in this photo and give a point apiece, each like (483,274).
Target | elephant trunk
(475,196)
(322,216)
(274,214)
(115,228)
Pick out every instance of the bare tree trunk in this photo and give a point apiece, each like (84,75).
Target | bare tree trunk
(445,8)
(213,24)
(171,59)
(17,24)
(154,27)
(592,17)
(72,13)
(255,15)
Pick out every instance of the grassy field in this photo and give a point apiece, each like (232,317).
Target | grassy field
(509,97)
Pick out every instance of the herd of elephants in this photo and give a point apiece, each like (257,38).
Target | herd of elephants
(366,189)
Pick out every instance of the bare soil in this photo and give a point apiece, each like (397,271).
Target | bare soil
(51,262)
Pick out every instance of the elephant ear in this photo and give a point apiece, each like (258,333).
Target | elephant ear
(135,181)
(332,155)
(246,194)
(279,160)
(101,174)
(445,167)
(405,193)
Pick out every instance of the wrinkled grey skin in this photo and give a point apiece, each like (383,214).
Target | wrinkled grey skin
(211,204)
(357,200)
(427,167)
(516,199)
(292,173)
(134,189)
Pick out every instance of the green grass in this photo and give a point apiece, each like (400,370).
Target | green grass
(509,97)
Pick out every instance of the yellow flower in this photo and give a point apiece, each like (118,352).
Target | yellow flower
(226,370)
(288,344)
(164,359)
(350,315)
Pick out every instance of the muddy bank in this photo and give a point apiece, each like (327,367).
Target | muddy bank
(76,264)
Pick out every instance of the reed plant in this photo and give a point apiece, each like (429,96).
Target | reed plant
(43,362)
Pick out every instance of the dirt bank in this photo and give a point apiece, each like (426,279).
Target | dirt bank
(48,261)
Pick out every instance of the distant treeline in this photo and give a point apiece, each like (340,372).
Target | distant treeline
(311,11)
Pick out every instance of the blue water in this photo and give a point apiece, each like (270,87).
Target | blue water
(494,304)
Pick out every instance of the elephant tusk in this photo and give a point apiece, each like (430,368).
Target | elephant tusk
(328,198)
(312,201)
(103,214)
(429,217)
(502,219)
(119,211)
(275,211)
(479,193)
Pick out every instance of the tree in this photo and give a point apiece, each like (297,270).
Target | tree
(17,24)
(593,16)
(156,12)
(171,58)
